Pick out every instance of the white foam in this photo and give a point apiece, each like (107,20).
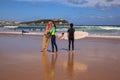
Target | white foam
(30,33)
(10,26)
(41,33)
(110,28)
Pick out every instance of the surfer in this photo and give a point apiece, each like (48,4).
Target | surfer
(71,31)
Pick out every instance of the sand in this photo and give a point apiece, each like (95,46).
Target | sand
(94,59)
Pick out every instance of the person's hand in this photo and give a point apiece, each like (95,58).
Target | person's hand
(48,33)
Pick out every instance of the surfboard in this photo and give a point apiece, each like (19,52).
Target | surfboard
(77,35)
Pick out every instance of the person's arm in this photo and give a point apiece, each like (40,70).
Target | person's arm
(45,30)
(52,29)
(68,30)
(74,30)
(68,33)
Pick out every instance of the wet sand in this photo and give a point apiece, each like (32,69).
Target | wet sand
(93,59)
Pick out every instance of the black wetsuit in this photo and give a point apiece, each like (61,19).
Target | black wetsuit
(71,37)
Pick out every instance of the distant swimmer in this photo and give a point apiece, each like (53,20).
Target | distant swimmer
(23,31)
(61,36)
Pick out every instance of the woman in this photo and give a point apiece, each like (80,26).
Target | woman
(53,39)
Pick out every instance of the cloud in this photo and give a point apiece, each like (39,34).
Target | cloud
(103,17)
(95,3)
(98,17)
(85,3)
(33,4)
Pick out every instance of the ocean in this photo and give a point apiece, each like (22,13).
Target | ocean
(100,30)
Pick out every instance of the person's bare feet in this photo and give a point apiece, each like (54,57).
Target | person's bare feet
(56,52)
(52,53)
(73,51)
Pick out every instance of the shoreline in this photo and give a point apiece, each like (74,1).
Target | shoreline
(98,36)
(41,33)
(20,33)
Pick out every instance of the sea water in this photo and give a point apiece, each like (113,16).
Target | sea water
(101,30)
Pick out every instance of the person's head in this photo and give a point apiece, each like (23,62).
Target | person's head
(50,23)
(54,25)
(71,25)
(62,33)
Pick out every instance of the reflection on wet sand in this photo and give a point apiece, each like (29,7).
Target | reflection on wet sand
(74,67)
(70,65)
(53,62)
(49,68)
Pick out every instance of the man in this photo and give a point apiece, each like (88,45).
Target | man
(46,36)
(71,36)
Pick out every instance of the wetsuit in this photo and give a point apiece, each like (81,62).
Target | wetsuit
(71,37)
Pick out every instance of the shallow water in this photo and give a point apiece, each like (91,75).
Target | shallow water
(92,30)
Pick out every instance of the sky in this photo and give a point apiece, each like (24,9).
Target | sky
(79,12)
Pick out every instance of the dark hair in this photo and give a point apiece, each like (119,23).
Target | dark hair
(54,25)
(71,25)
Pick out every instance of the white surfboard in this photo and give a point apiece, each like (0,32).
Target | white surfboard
(77,35)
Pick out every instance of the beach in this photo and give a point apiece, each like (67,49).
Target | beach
(94,58)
